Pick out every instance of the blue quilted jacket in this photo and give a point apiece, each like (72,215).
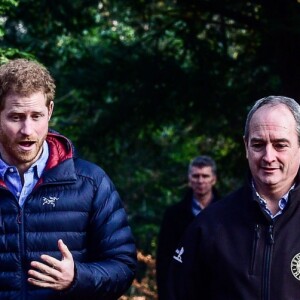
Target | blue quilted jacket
(74,201)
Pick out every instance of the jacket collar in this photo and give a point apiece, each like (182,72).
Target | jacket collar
(60,149)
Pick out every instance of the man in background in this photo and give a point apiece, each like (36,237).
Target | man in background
(202,177)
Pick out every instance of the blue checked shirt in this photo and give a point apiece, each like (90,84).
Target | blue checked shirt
(196,209)
(11,177)
(281,204)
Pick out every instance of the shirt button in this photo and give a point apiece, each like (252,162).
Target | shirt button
(18,194)
(11,170)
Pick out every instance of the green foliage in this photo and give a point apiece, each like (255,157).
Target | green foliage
(6,5)
(7,52)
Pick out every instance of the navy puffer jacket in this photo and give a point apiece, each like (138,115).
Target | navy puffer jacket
(74,201)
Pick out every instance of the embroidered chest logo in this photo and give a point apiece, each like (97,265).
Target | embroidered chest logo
(295,266)
(179,252)
(50,200)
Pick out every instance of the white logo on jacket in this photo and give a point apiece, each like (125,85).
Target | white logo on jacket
(295,266)
(179,252)
(51,200)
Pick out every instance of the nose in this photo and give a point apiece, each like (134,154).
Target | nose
(27,127)
(200,179)
(270,154)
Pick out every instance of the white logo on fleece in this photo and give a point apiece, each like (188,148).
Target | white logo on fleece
(51,200)
(179,252)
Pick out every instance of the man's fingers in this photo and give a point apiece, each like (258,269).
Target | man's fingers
(46,269)
(52,262)
(53,273)
(41,277)
(66,254)
(55,263)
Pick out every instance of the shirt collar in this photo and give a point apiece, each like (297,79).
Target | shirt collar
(196,209)
(281,203)
(40,164)
(285,196)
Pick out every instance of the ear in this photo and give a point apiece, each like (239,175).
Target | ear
(189,181)
(246,146)
(214,180)
(50,110)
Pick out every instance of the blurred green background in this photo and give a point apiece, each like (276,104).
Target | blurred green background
(145,86)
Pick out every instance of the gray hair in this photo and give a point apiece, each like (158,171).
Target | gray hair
(290,103)
(203,161)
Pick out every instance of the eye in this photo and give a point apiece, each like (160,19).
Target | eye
(280,146)
(14,118)
(257,146)
(36,117)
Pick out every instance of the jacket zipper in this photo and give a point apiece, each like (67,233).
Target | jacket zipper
(21,226)
(254,248)
(267,263)
(20,220)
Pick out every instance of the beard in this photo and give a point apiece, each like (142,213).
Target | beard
(12,154)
